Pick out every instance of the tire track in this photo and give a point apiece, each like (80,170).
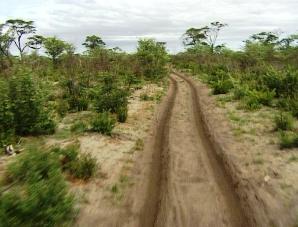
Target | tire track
(149,212)
(187,184)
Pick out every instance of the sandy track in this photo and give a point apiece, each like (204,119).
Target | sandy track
(183,182)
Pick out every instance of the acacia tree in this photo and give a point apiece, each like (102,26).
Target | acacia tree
(18,29)
(204,37)
(54,48)
(92,42)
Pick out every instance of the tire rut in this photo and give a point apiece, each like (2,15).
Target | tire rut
(188,185)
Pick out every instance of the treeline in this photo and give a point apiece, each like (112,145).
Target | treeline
(263,73)
(36,91)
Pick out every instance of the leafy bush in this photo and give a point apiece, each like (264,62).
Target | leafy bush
(251,101)
(79,127)
(103,123)
(145,97)
(62,107)
(283,121)
(110,97)
(288,141)
(30,116)
(266,97)
(6,116)
(84,167)
(122,114)
(41,197)
(222,86)
(152,58)
(240,91)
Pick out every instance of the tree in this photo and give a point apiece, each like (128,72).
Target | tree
(152,57)
(93,42)
(30,116)
(212,35)
(265,38)
(195,36)
(199,38)
(5,41)
(17,29)
(54,48)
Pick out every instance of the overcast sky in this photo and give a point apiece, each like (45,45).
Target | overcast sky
(122,22)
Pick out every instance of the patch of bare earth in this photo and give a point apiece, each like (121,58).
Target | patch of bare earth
(266,175)
(102,197)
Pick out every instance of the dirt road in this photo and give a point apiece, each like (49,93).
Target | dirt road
(186,185)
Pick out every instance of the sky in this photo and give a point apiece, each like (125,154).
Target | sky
(122,22)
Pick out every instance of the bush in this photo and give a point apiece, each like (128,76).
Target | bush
(288,141)
(251,101)
(266,97)
(62,107)
(30,116)
(41,197)
(240,91)
(80,166)
(283,121)
(84,167)
(222,86)
(145,97)
(103,123)
(122,114)
(79,127)
(6,116)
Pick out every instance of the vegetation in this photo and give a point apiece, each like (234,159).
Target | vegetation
(263,73)
(38,92)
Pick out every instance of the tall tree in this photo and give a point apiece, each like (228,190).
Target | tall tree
(54,48)
(206,36)
(93,42)
(18,29)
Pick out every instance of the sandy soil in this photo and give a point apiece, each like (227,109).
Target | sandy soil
(264,176)
(103,196)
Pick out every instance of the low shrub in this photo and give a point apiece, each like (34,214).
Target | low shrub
(79,127)
(103,123)
(145,97)
(288,140)
(283,121)
(84,167)
(39,195)
(240,91)
(122,114)
(222,86)
(62,107)
(251,101)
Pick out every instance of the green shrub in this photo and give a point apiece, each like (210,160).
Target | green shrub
(240,91)
(62,107)
(111,101)
(283,121)
(103,123)
(266,97)
(251,101)
(6,116)
(222,86)
(40,197)
(84,167)
(145,97)
(79,127)
(288,141)
(80,166)
(122,114)
(30,115)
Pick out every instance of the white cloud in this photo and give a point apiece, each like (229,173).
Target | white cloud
(122,22)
